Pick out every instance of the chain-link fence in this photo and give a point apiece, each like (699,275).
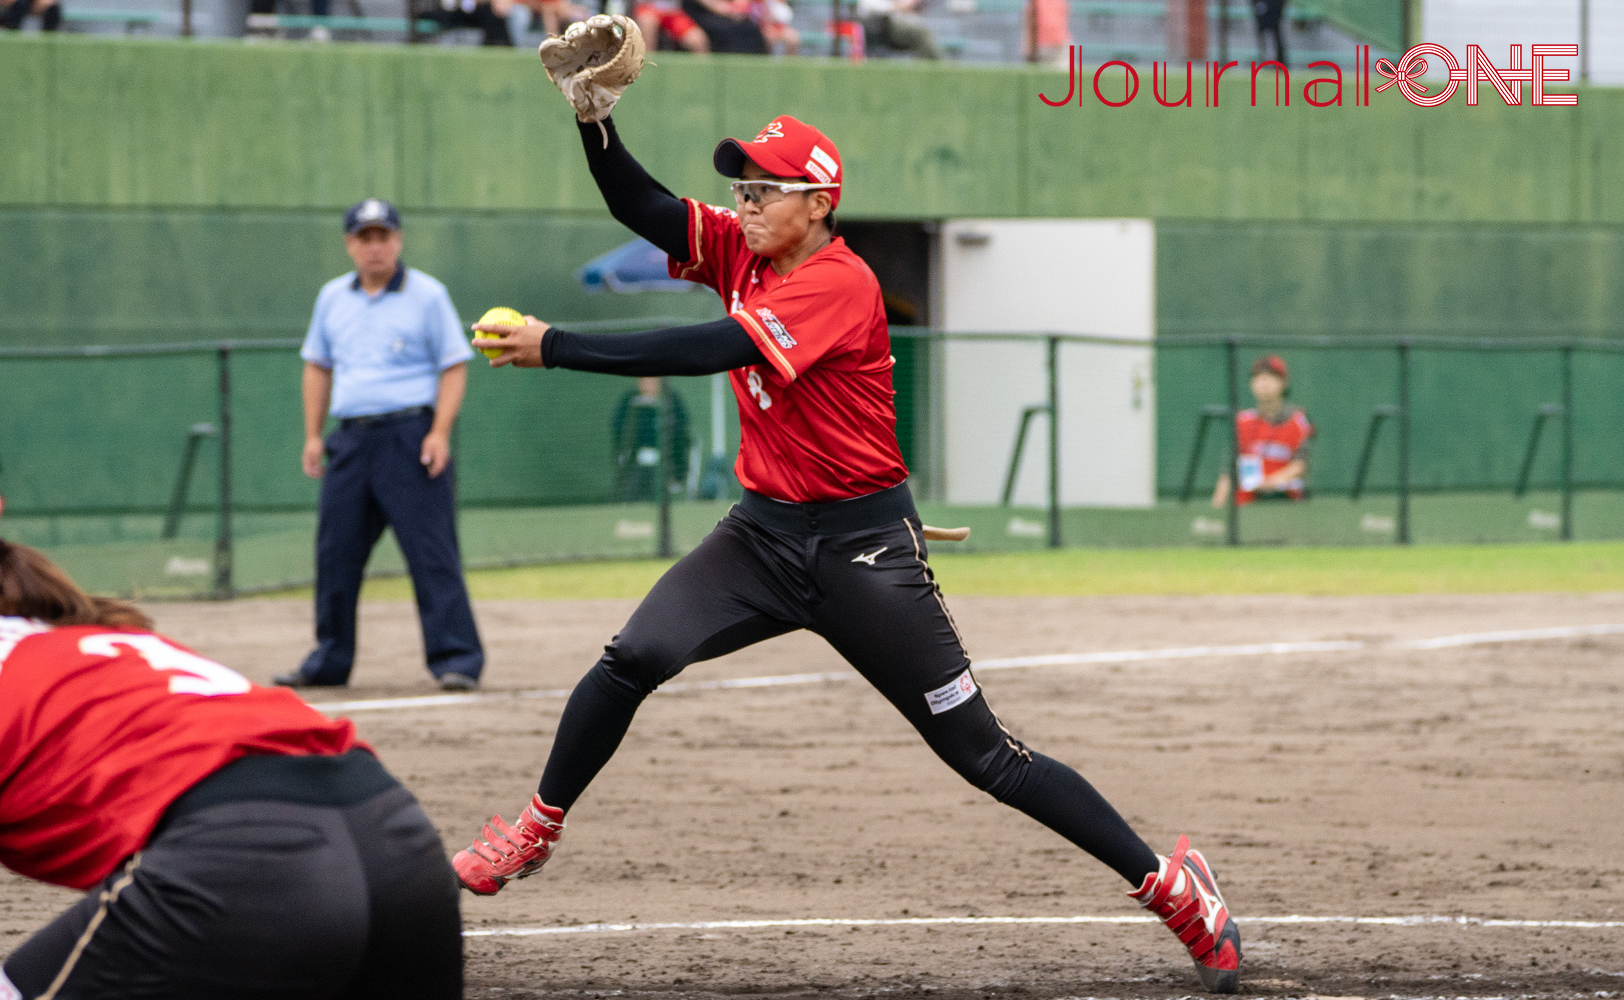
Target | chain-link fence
(173,471)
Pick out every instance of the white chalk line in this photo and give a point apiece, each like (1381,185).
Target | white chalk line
(726,925)
(1020,662)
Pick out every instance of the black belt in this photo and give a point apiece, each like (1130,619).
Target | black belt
(837,517)
(375,419)
(345,780)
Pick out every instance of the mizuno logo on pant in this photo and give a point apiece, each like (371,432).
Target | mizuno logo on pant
(869,558)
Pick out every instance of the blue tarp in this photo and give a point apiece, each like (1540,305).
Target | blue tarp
(638,266)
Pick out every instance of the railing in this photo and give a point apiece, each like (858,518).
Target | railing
(160,463)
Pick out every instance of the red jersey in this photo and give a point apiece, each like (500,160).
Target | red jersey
(818,422)
(101,729)
(1265,447)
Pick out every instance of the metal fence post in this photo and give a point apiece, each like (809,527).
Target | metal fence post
(1054,443)
(1584,42)
(1403,526)
(667,442)
(223,588)
(1567,442)
(1232,513)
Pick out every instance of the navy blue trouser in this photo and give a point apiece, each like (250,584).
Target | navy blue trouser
(375,478)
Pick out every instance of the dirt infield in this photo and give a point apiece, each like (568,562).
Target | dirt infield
(1484,781)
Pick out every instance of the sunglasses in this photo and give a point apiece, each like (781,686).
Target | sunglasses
(767,192)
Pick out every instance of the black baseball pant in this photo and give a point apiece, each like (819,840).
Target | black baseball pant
(266,899)
(855,573)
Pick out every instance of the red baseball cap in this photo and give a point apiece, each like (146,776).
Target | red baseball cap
(1270,363)
(785,148)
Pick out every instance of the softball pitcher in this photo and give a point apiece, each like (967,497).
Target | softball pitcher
(826,537)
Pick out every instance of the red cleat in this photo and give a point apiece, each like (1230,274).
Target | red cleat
(505,852)
(1184,893)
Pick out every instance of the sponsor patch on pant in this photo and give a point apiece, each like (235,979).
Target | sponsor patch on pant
(951,695)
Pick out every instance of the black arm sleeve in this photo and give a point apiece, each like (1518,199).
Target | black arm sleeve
(636,200)
(704,349)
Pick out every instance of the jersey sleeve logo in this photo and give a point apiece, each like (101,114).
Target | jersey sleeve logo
(775,326)
(189,673)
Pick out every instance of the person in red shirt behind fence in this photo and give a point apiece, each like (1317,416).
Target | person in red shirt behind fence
(234,841)
(1271,441)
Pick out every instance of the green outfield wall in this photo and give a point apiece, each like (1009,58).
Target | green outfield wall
(175,124)
(157,191)
(158,275)
(168,190)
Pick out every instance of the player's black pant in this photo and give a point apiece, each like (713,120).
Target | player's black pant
(262,898)
(855,573)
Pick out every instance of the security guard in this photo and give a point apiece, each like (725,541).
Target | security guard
(386,356)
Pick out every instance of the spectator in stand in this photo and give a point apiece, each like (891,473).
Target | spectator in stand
(728,25)
(556,15)
(777,25)
(319,8)
(49,11)
(489,16)
(1270,14)
(896,25)
(1046,32)
(1272,441)
(666,27)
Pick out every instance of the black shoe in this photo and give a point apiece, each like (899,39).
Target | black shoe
(51,20)
(295,679)
(12,18)
(458,682)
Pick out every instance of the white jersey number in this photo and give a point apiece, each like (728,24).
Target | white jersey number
(192,673)
(753,382)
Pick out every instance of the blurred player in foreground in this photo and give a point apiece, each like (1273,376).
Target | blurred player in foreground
(1271,441)
(235,842)
(826,537)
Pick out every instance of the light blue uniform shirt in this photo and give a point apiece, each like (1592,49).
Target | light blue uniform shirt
(385,351)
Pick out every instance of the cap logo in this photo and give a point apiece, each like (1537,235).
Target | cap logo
(371,209)
(830,167)
(772,131)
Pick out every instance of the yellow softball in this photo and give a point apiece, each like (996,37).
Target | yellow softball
(501,314)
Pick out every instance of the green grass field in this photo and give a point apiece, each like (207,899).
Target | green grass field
(1462,569)
(1464,542)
